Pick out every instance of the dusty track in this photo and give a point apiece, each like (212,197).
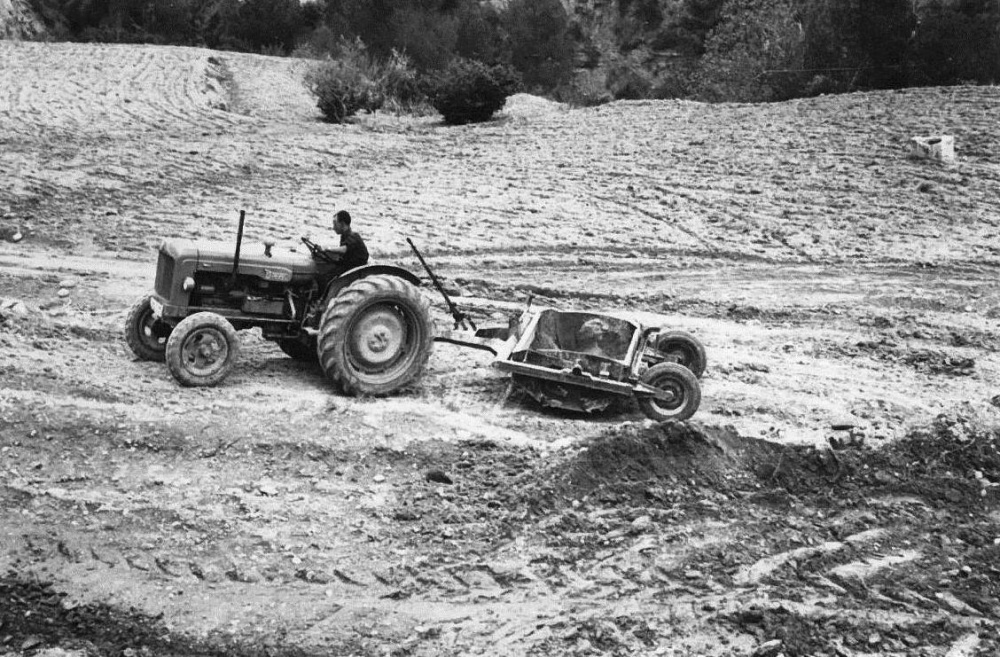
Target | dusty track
(826,272)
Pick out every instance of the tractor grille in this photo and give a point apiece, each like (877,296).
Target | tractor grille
(164,275)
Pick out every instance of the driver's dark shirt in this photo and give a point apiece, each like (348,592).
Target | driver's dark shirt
(356,254)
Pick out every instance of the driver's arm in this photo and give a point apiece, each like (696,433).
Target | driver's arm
(336,249)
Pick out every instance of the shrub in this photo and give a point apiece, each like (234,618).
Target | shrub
(356,81)
(675,79)
(628,77)
(468,91)
(399,80)
(342,90)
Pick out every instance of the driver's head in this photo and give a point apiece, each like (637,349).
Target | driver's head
(341,222)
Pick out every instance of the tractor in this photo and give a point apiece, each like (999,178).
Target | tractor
(371,332)
(369,327)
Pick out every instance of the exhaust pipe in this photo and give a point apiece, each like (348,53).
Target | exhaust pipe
(239,242)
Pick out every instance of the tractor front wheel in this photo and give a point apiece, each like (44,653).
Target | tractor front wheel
(202,349)
(146,335)
(375,336)
(679,393)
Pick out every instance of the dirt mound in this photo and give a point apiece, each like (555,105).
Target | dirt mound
(526,106)
(953,460)
(668,460)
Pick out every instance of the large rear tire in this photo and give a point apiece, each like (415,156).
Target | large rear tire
(202,349)
(684,349)
(682,386)
(376,336)
(146,335)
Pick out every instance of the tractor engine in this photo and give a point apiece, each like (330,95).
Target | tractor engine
(261,289)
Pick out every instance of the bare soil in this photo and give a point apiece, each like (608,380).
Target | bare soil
(828,274)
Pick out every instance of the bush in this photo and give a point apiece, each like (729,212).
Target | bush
(400,84)
(342,89)
(356,82)
(468,91)
(628,78)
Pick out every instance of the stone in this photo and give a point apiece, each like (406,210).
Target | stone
(14,307)
(768,648)
(642,524)
(940,147)
(438,476)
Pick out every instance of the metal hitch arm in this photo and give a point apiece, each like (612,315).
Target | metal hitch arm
(459,317)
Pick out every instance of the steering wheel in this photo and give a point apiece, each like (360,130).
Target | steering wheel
(316,251)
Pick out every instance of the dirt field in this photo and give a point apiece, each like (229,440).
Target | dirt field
(828,275)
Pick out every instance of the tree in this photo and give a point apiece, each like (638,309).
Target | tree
(539,43)
(268,24)
(754,53)
(884,28)
(956,43)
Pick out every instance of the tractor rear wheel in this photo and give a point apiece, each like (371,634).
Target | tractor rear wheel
(684,349)
(375,336)
(681,390)
(202,349)
(146,335)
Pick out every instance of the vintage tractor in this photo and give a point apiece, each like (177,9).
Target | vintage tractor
(369,327)
(371,332)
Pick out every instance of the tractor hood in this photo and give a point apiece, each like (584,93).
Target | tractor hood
(283,265)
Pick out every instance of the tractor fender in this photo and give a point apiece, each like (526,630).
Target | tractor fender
(351,275)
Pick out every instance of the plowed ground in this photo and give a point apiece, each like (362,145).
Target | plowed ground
(827,273)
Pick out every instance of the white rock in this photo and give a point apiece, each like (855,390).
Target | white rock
(642,523)
(940,148)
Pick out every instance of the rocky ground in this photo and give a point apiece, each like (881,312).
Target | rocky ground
(828,274)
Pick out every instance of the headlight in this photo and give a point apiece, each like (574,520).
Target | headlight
(188,284)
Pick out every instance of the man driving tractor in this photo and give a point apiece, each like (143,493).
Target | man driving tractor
(352,250)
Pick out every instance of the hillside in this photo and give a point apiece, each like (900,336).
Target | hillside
(827,273)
